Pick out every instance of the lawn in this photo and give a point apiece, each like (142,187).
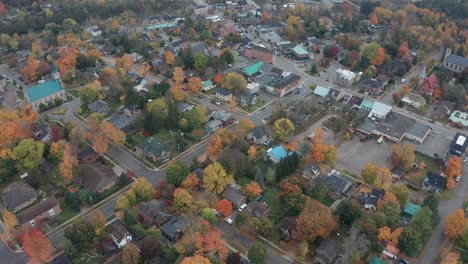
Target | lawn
(327,200)
(66,214)
(75,93)
(416,176)
(243,181)
(270,196)
(162,135)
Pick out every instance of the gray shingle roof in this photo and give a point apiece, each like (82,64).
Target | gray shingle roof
(258,132)
(95,176)
(458,60)
(337,183)
(17,193)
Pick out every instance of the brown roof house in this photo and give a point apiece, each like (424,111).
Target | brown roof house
(234,196)
(120,234)
(87,155)
(154,212)
(18,195)
(258,209)
(97,177)
(327,252)
(287,227)
(45,210)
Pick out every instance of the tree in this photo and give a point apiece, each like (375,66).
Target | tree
(235,82)
(257,254)
(9,219)
(150,247)
(90,92)
(409,241)
(29,72)
(348,212)
(197,259)
(142,189)
(55,133)
(122,203)
(182,200)
(455,224)
(68,163)
(98,221)
(227,136)
(385,233)
(72,201)
(176,173)
(391,211)
(178,76)
(200,61)
(66,62)
(178,93)
(252,152)
(453,169)
(244,126)
(194,84)
(209,215)
(130,254)
(27,154)
(169,57)
(215,146)
(252,190)
(283,128)
(403,50)
(191,182)
(215,178)
(3,10)
(369,173)
(224,206)
(356,245)
(36,246)
(43,68)
(450,258)
(384,178)
(379,57)
(218,78)
(315,220)
(403,155)
(234,258)
(373,20)
(401,192)
(369,51)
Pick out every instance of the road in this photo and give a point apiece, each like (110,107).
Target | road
(6,255)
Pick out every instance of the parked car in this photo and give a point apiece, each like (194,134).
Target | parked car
(242,207)
(325,128)
(228,220)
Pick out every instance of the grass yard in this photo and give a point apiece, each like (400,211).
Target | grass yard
(243,181)
(270,196)
(327,200)
(66,214)
(75,93)
(113,103)
(416,176)
(162,135)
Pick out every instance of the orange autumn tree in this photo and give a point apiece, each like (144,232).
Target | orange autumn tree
(10,132)
(191,181)
(224,206)
(68,163)
(29,72)
(379,57)
(3,10)
(194,84)
(177,93)
(93,53)
(67,61)
(218,78)
(169,57)
(291,145)
(373,20)
(197,259)
(215,146)
(315,220)
(9,219)
(453,169)
(244,126)
(102,133)
(211,243)
(448,257)
(252,152)
(178,76)
(37,247)
(455,224)
(385,233)
(403,50)
(252,190)
(389,197)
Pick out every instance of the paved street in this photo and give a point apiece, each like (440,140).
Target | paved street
(7,256)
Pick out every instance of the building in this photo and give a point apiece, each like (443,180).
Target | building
(173,230)
(45,93)
(379,110)
(440,109)
(184,107)
(154,212)
(429,85)
(458,145)
(43,211)
(94,31)
(434,182)
(153,150)
(454,62)
(213,126)
(393,127)
(120,234)
(223,116)
(207,85)
(287,227)
(338,184)
(414,100)
(258,52)
(137,57)
(277,153)
(248,99)
(234,196)
(418,133)
(327,252)
(345,77)
(258,209)
(42,132)
(226,28)
(124,120)
(299,53)
(18,195)
(200,10)
(223,95)
(321,91)
(87,155)
(281,86)
(101,107)
(253,69)
(411,209)
(252,88)
(372,86)
(97,177)
(312,171)
(459,118)
(366,105)
(376,260)
(258,135)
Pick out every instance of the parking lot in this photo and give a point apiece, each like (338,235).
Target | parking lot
(10,97)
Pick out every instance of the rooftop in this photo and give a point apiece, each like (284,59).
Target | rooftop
(395,125)
(96,176)
(321,91)
(380,109)
(278,152)
(458,60)
(459,117)
(418,130)
(411,209)
(459,143)
(43,90)
(252,69)
(348,75)
(436,180)
(17,193)
(37,209)
(152,145)
(223,91)
(299,50)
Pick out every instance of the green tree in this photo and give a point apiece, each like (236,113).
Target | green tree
(422,221)
(409,241)
(257,254)
(265,228)
(432,203)
(216,178)
(348,212)
(401,192)
(72,201)
(209,215)
(370,50)
(200,61)
(391,210)
(235,82)
(176,173)
(90,92)
(142,189)
(81,234)
(369,173)
(183,201)
(27,154)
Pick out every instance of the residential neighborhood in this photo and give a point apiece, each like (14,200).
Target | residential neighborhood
(240,131)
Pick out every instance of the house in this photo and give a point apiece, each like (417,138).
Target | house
(258,52)
(429,85)
(383,79)
(234,196)
(372,86)
(94,31)
(184,107)
(434,182)
(45,210)
(173,230)
(42,132)
(223,95)
(317,45)
(345,77)
(18,195)
(97,177)
(199,47)
(418,133)
(299,53)
(287,226)
(394,67)
(253,69)
(327,252)
(213,126)
(252,88)
(376,260)
(153,150)
(337,183)
(459,118)
(124,120)
(258,135)
(414,100)
(379,110)
(61,260)
(312,171)
(366,105)
(207,85)
(101,107)
(458,145)
(200,10)
(226,28)
(154,212)
(277,153)
(371,203)
(440,109)
(45,93)
(223,116)
(411,209)
(454,62)
(248,99)
(137,57)
(119,234)
(258,209)
(393,127)
(87,155)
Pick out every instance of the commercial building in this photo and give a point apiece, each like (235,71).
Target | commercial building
(458,145)
(345,77)
(258,52)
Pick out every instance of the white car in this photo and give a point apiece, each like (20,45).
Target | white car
(217,103)
(241,208)
(228,220)
(458,178)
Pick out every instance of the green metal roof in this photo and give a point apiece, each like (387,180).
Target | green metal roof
(207,83)
(299,50)
(367,104)
(162,26)
(411,209)
(252,69)
(376,260)
(43,90)
(459,118)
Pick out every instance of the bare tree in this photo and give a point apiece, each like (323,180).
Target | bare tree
(355,246)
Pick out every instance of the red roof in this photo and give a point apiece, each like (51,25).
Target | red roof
(429,84)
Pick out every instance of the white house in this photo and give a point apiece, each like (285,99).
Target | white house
(345,77)
(120,235)
(414,100)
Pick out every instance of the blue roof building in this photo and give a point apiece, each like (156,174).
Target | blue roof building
(45,92)
(277,153)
